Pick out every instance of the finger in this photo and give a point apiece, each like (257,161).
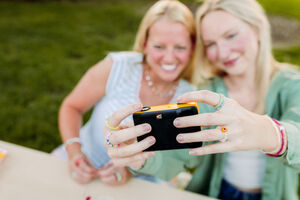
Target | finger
(204,119)
(132,148)
(129,133)
(132,160)
(117,117)
(107,171)
(204,96)
(109,179)
(127,124)
(213,148)
(86,167)
(201,136)
(82,177)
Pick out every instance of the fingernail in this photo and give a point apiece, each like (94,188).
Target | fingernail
(179,99)
(176,122)
(138,106)
(151,140)
(179,138)
(146,127)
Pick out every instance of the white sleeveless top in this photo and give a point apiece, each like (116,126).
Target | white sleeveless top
(245,169)
(122,89)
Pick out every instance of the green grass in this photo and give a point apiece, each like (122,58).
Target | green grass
(46,47)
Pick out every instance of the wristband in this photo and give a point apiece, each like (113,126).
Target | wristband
(283,141)
(72,140)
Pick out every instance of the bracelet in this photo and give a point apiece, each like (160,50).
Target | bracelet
(72,140)
(281,131)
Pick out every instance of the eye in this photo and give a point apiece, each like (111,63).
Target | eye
(180,47)
(158,47)
(230,36)
(209,45)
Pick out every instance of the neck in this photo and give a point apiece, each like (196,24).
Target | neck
(241,82)
(159,87)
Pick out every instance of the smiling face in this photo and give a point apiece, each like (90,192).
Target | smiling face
(230,44)
(168,49)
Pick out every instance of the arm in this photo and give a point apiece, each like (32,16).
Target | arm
(290,119)
(89,90)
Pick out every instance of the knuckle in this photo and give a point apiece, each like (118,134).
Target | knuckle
(208,118)
(205,93)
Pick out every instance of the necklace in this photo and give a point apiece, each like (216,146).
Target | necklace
(155,91)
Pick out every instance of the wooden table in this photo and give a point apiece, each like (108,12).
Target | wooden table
(35,175)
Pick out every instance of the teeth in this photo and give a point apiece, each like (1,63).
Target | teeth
(168,67)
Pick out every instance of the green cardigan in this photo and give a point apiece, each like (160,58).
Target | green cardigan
(281,174)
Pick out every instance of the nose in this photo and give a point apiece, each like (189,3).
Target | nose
(169,57)
(223,51)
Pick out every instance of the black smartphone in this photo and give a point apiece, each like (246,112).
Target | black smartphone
(161,119)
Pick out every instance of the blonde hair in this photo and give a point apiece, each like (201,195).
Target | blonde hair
(252,13)
(172,10)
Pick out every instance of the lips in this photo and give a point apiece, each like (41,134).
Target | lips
(231,62)
(168,67)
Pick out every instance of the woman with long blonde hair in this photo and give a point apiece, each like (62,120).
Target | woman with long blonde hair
(251,150)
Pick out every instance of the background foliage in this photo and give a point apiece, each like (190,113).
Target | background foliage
(46,46)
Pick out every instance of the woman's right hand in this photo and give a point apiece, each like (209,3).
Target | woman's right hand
(127,151)
(81,169)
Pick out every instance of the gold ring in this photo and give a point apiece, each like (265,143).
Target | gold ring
(110,126)
(225,131)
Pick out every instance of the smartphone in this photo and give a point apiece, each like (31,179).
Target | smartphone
(161,119)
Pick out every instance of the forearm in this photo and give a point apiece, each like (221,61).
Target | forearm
(70,121)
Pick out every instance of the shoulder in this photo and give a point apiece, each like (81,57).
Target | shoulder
(185,86)
(287,77)
(126,56)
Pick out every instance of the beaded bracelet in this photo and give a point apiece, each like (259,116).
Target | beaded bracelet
(283,141)
(72,140)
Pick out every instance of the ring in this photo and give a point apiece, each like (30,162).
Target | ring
(108,141)
(225,131)
(118,176)
(110,126)
(74,175)
(220,104)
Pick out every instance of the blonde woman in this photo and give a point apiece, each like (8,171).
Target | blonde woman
(252,151)
(156,72)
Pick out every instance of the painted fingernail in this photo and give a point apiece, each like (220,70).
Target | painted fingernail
(179,138)
(146,127)
(176,122)
(151,140)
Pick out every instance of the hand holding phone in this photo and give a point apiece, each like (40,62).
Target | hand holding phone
(161,119)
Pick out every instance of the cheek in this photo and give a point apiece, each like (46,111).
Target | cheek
(246,42)
(211,54)
(154,55)
(184,56)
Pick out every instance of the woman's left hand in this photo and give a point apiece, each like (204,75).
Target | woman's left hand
(113,175)
(237,128)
